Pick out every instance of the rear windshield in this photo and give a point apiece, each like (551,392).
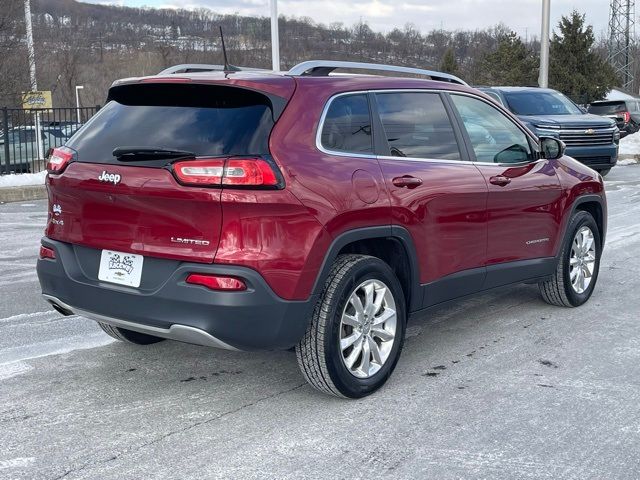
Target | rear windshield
(540,103)
(607,108)
(203,119)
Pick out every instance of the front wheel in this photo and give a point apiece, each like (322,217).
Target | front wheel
(604,172)
(356,333)
(577,272)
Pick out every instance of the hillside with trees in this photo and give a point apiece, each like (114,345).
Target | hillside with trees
(92,45)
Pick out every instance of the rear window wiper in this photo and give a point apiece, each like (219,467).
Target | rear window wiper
(148,153)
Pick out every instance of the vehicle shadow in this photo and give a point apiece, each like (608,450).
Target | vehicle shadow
(172,368)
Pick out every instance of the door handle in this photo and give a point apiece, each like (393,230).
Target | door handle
(500,180)
(407,181)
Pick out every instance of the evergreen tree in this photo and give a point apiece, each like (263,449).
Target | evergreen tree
(449,63)
(574,66)
(510,64)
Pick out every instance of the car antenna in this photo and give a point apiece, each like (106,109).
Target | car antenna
(227,66)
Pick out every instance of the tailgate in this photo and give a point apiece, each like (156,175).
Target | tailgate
(105,199)
(146,212)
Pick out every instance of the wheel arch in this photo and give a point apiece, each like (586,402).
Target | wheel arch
(594,205)
(392,244)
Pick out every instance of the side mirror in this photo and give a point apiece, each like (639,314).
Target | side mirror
(552,148)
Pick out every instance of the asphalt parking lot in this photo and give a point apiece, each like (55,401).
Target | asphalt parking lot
(498,386)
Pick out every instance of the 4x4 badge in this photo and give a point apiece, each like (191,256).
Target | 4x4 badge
(109,177)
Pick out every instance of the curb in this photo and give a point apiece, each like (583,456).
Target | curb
(21,194)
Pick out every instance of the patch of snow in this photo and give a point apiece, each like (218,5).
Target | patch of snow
(22,179)
(13,369)
(58,346)
(630,145)
(627,161)
(18,462)
(616,94)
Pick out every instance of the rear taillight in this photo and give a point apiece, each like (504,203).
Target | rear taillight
(246,172)
(200,172)
(59,158)
(46,252)
(627,117)
(216,282)
(249,171)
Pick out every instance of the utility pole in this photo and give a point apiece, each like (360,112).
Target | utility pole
(543,79)
(275,37)
(621,33)
(30,47)
(32,71)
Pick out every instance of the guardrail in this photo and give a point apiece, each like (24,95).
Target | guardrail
(27,135)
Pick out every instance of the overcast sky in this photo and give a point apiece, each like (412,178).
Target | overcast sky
(522,16)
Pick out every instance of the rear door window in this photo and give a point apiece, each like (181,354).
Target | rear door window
(204,119)
(417,125)
(347,125)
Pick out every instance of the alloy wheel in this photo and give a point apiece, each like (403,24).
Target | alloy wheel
(582,260)
(368,328)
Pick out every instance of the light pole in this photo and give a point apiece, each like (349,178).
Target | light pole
(275,37)
(78,88)
(543,79)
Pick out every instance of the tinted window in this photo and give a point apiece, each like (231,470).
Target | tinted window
(540,103)
(417,125)
(203,119)
(347,125)
(494,137)
(606,108)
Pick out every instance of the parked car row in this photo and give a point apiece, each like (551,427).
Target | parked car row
(22,145)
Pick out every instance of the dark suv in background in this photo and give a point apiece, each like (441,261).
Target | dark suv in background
(590,139)
(260,210)
(626,114)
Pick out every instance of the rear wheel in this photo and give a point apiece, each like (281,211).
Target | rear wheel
(355,336)
(575,278)
(129,336)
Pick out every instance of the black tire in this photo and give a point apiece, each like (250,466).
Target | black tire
(604,172)
(129,336)
(319,353)
(558,290)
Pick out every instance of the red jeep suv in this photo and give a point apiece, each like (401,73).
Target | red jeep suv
(258,210)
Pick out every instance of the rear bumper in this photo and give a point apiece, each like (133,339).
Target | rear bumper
(166,306)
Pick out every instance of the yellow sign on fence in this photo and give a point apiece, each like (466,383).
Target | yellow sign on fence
(36,100)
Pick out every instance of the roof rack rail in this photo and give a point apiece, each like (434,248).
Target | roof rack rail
(325,67)
(201,67)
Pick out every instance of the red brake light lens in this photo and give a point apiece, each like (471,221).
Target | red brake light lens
(216,282)
(251,172)
(627,116)
(59,158)
(46,252)
(248,172)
